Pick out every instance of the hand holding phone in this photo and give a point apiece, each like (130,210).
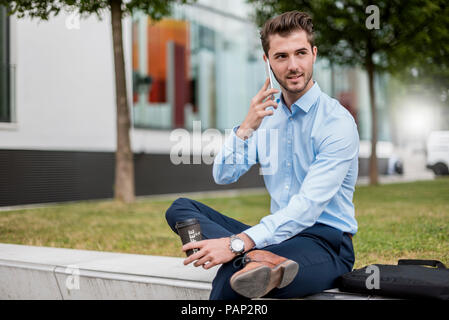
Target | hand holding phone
(260,107)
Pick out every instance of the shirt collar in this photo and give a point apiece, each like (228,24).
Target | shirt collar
(307,100)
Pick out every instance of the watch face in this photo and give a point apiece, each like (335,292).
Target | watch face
(237,245)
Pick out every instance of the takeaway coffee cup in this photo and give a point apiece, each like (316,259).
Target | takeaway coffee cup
(189,231)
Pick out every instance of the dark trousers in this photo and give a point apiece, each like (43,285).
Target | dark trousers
(322,252)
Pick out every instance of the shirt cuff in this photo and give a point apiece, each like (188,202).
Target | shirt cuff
(260,235)
(233,138)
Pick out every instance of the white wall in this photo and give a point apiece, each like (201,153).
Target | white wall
(65,88)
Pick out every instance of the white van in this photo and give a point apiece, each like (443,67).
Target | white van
(438,152)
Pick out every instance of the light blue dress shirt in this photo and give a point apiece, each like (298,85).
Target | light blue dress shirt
(309,160)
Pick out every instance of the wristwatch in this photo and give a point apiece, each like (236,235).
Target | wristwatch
(236,245)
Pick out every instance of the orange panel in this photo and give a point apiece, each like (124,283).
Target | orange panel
(135,48)
(158,35)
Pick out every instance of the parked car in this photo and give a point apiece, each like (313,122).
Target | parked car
(438,152)
(388,160)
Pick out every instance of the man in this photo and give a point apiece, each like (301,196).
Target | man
(305,244)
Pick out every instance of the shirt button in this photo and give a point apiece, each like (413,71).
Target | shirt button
(288,164)
(286,187)
(290,118)
(289,141)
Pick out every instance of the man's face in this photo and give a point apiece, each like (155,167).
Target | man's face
(291,59)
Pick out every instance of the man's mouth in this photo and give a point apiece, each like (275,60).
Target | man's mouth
(295,77)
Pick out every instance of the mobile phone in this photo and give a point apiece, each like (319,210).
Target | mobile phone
(268,70)
(269,73)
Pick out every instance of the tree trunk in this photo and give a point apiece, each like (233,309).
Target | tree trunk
(124,166)
(373,171)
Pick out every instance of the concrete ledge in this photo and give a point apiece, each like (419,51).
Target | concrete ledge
(31,272)
(20,280)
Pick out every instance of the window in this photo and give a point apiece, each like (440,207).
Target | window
(200,64)
(5,69)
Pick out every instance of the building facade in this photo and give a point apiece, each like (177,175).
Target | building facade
(197,69)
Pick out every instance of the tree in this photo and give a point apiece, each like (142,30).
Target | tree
(156,9)
(390,36)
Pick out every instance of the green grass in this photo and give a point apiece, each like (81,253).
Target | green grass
(407,220)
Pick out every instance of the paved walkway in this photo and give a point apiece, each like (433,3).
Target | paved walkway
(414,170)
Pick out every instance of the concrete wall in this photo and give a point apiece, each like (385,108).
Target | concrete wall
(30,272)
(44,273)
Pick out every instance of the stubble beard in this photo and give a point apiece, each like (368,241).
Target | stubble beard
(299,91)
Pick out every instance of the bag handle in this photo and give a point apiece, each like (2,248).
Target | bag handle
(417,262)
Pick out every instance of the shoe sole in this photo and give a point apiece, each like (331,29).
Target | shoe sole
(258,282)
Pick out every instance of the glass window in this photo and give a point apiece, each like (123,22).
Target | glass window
(199,64)
(5,97)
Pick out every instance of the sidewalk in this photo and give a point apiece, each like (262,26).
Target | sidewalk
(387,179)
(414,170)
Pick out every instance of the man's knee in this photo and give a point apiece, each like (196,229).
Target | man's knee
(171,215)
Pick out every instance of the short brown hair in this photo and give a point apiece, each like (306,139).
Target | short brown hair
(285,24)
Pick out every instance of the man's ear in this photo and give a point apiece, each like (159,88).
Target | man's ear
(315,53)
(264,57)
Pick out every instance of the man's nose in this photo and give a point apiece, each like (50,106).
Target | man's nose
(293,64)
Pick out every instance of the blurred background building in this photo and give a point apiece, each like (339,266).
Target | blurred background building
(203,63)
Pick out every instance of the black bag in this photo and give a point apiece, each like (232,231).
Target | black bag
(408,279)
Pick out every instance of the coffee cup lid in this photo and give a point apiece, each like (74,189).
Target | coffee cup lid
(185,223)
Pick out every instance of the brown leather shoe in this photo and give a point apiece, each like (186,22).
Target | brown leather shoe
(262,272)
